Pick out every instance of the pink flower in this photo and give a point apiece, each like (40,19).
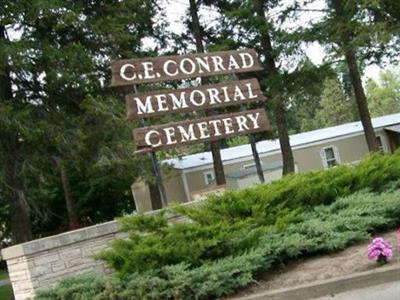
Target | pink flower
(380,250)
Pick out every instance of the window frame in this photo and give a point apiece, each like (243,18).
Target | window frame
(382,146)
(326,161)
(206,181)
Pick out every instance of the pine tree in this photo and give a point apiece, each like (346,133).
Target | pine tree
(58,69)
(351,32)
(13,147)
(245,24)
(198,36)
(335,107)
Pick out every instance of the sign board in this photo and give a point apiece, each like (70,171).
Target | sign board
(192,99)
(158,69)
(201,130)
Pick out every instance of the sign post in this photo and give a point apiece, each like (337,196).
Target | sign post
(256,157)
(156,166)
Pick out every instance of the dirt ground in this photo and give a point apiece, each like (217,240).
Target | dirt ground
(303,271)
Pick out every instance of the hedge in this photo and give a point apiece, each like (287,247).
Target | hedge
(232,223)
(322,229)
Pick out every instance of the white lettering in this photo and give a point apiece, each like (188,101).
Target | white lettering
(167,71)
(183,66)
(226,94)
(254,119)
(203,128)
(202,62)
(178,103)
(162,102)
(228,125)
(170,135)
(148,138)
(148,70)
(246,65)
(213,94)
(238,94)
(144,108)
(215,123)
(193,98)
(187,135)
(218,63)
(123,70)
(233,64)
(242,123)
(250,90)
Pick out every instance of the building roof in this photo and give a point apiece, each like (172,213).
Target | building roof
(296,140)
(394,128)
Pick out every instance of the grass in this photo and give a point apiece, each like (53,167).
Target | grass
(6,292)
(3,275)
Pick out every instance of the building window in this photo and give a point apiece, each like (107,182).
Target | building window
(209,177)
(380,143)
(330,156)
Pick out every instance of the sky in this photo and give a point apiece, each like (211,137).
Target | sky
(175,10)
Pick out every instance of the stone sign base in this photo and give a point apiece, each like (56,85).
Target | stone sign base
(39,264)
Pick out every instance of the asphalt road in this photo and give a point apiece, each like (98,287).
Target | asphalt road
(387,291)
(5,282)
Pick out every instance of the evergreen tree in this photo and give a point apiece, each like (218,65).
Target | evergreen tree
(335,107)
(304,87)
(198,37)
(245,24)
(350,31)
(344,13)
(14,144)
(54,79)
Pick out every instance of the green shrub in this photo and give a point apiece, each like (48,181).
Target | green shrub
(322,229)
(265,203)
(171,282)
(183,282)
(182,242)
(232,223)
(75,288)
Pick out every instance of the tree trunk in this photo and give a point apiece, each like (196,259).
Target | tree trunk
(13,186)
(162,194)
(5,80)
(68,196)
(350,55)
(15,194)
(361,100)
(215,149)
(256,157)
(278,105)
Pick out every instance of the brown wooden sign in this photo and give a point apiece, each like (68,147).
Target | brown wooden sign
(157,69)
(192,99)
(200,130)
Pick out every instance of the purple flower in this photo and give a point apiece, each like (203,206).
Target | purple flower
(380,250)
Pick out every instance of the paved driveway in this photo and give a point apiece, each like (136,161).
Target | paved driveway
(387,291)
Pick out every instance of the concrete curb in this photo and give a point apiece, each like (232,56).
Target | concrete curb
(331,286)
